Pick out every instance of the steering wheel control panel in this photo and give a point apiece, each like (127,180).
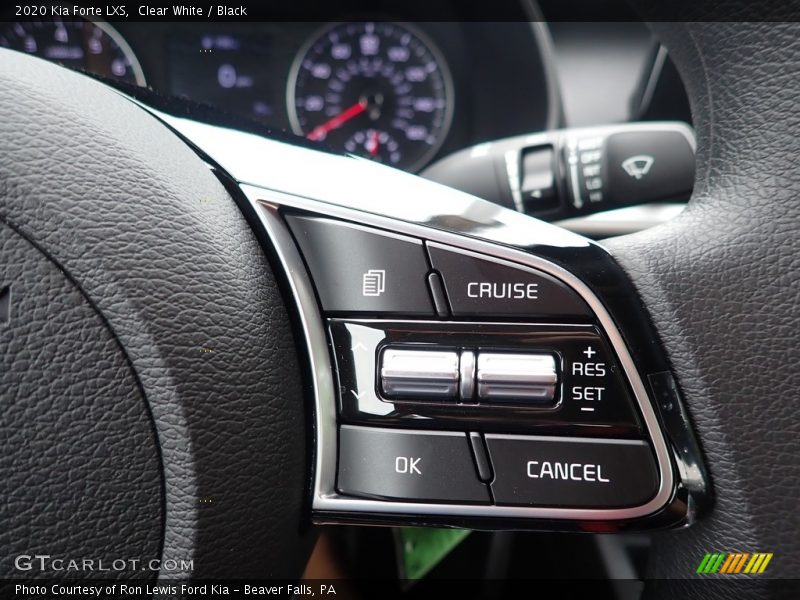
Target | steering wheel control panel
(464,383)
(467,365)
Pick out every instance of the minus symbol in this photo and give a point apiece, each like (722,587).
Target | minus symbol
(587,409)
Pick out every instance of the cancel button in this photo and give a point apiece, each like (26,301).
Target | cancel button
(571,472)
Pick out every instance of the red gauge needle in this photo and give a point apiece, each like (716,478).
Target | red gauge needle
(348,113)
(374,143)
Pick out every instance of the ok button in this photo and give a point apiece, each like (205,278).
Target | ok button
(404,465)
(391,464)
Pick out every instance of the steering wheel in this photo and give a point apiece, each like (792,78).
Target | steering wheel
(720,284)
(154,398)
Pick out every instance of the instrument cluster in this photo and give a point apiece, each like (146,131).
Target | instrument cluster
(393,91)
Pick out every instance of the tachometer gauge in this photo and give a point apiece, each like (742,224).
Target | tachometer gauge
(375,145)
(380,90)
(79,44)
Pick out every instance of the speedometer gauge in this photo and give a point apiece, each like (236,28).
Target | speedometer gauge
(78,44)
(379,90)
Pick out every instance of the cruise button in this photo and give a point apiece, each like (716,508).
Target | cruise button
(478,286)
(362,270)
(408,465)
(571,472)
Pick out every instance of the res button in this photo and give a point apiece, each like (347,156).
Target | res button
(478,286)
(571,472)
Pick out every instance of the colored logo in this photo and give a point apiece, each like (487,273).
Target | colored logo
(734,563)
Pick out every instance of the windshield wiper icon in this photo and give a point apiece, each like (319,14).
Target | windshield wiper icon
(638,166)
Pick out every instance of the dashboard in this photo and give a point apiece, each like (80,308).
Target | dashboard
(398,92)
(382,84)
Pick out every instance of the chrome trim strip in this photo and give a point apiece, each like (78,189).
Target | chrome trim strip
(316,342)
(466,370)
(561,438)
(325,498)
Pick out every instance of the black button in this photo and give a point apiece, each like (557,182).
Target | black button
(645,166)
(361,270)
(571,472)
(408,465)
(478,286)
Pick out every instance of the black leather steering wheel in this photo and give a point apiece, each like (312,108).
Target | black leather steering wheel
(721,284)
(152,397)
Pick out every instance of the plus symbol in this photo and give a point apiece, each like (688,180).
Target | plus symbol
(589,352)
